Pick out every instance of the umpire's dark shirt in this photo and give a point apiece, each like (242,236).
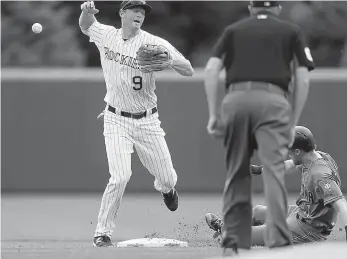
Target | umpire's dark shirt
(261,48)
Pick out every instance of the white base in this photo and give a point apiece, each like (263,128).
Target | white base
(152,242)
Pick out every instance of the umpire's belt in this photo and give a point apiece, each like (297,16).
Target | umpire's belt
(137,116)
(250,85)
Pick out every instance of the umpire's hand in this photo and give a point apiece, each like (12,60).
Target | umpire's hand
(215,128)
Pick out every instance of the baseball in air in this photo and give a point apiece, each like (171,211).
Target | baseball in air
(37,28)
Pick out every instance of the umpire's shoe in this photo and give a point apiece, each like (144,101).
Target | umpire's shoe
(102,241)
(171,199)
(230,252)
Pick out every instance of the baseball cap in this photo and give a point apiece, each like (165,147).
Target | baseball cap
(303,139)
(132,4)
(264,3)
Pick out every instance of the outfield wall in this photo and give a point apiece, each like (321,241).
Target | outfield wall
(51,140)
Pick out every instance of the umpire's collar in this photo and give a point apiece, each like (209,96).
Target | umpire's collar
(266,13)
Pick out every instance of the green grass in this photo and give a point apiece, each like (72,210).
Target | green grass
(48,226)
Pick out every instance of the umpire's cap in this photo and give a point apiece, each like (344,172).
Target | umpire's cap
(132,4)
(264,3)
(304,139)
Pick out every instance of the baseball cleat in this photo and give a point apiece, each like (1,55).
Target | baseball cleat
(171,199)
(102,241)
(230,252)
(214,222)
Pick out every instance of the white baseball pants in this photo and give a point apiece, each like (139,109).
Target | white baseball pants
(122,134)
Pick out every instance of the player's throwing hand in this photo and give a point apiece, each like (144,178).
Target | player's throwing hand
(89,7)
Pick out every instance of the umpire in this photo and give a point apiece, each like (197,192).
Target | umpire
(257,54)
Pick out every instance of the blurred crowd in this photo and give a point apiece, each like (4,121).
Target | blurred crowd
(191,26)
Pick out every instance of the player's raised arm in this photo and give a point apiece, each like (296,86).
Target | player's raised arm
(87,17)
(90,26)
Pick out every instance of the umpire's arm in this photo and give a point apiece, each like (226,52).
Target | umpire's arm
(212,70)
(304,64)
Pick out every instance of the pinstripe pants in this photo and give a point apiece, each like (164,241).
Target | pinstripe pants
(122,134)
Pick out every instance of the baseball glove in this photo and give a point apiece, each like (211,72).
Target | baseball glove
(153,58)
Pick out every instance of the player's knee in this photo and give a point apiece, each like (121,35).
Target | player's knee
(119,179)
(259,213)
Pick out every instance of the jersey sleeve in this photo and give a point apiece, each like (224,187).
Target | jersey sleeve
(302,51)
(326,185)
(175,54)
(219,48)
(96,32)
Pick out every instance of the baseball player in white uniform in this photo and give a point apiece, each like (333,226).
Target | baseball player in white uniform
(131,116)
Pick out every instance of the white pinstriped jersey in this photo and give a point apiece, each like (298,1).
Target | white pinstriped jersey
(127,87)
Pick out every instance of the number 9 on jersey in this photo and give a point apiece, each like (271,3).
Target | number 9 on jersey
(137,81)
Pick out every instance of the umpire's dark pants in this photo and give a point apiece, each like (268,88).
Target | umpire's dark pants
(256,116)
